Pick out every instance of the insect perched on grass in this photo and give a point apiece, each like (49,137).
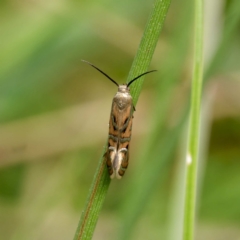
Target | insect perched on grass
(120,127)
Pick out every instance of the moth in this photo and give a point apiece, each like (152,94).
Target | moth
(120,127)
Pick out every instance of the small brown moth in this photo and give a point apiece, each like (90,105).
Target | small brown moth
(120,127)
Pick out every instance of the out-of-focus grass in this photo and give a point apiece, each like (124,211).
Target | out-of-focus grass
(42,192)
(192,155)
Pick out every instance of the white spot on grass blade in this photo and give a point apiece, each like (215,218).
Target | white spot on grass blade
(189,159)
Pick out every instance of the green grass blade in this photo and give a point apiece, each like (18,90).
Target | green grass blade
(194,125)
(94,203)
(141,63)
(147,46)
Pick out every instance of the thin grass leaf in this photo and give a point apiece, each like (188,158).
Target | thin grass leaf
(231,24)
(194,125)
(141,63)
(147,46)
(94,202)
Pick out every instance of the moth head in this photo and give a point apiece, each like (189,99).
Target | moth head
(121,88)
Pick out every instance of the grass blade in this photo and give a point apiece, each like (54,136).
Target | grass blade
(147,46)
(141,63)
(194,125)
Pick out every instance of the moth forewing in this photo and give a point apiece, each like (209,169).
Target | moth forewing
(120,125)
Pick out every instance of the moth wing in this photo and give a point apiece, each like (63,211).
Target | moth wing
(110,156)
(123,156)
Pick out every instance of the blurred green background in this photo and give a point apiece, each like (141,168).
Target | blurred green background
(54,112)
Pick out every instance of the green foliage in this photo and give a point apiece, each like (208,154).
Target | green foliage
(140,65)
(192,153)
(54,113)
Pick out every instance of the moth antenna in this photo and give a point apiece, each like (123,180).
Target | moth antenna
(101,72)
(139,77)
